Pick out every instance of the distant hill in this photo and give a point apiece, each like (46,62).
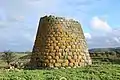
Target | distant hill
(116,49)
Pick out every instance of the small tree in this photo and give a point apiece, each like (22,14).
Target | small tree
(8,56)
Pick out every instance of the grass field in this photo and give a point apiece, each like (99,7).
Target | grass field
(99,70)
(93,72)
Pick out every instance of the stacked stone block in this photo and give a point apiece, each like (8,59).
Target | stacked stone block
(59,43)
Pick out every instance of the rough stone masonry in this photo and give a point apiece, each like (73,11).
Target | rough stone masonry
(60,43)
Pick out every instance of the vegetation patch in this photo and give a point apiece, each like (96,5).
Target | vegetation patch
(93,72)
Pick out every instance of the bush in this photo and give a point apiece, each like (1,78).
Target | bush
(8,56)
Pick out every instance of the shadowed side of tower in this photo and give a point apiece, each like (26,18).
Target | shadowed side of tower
(59,43)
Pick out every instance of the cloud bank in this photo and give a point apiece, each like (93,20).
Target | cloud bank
(19,21)
(102,34)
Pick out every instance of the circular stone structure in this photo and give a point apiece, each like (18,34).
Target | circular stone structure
(60,43)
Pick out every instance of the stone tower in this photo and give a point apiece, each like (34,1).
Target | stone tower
(59,43)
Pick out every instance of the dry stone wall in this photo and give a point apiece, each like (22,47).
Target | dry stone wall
(59,43)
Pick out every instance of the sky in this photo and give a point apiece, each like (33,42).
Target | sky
(19,21)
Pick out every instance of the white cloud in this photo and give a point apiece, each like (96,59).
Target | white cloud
(110,40)
(10,20)
(117,39)
(41,3)
(103,35)
(87,35)
(19,18)
(99,24)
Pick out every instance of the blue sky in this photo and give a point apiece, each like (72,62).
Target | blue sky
(19,21)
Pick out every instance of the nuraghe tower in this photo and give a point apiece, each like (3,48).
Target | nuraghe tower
(60,43)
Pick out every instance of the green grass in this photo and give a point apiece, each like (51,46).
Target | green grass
(100,70)
(93,72)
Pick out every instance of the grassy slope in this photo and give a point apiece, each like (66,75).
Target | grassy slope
(98,71)
(94,72)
